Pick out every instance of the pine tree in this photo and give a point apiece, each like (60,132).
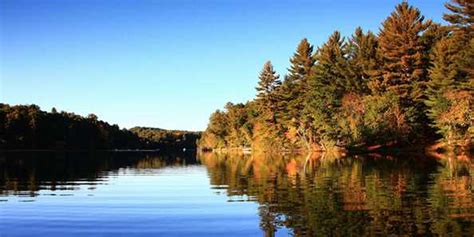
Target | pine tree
(443,76)
(462,25)
(268,83)
(402,52)
(431,36)
(461,17)
(301,63)
(363,61)
(328,85)
(331,79)
(369,89)
(293,92)
(267,133)
(295,84)
(403,69)
(449,93)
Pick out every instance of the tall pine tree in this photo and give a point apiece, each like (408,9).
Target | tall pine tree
(363,61)
(267,132)
(403,70)
(296,84)
(402,52)
(294,90)
(462,25)
(449,94)
(328,85)
(268,83)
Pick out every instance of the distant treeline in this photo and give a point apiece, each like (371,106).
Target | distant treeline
(28,127)
(168,138)
(412,83)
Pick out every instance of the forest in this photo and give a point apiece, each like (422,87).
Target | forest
(409,85)
(168,138)
(28,127)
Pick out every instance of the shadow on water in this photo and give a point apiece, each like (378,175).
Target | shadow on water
(316,195)
(26,173)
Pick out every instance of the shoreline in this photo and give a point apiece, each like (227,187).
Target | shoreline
(439,147)
(91,150)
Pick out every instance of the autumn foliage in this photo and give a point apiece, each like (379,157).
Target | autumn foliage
(410,84)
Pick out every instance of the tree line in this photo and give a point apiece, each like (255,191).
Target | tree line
(178,139)
(412,83)
(28,127)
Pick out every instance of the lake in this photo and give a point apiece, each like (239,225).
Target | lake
(181,194)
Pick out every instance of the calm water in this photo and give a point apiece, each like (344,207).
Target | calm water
(133,194)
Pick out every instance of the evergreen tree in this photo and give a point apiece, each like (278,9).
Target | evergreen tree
(301,64)
(371,90)
(268,83)
(294,92)
(448,104)
(329,84)
(431,36)
(363,61)
(402,52)
(462,20)
(404,67)
(296,84)
(449,93)
(330,80)
(267,132)
(461,17)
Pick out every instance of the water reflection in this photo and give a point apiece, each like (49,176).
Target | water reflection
(315,195)
(319,195)
(26,173)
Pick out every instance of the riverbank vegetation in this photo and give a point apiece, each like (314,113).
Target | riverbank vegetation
(28,127)
(168,138)
(410,85)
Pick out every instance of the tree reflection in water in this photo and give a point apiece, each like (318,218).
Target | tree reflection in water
(315,195)
(26,173)
(320,195)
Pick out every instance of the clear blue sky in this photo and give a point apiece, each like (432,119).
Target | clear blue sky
(162,63)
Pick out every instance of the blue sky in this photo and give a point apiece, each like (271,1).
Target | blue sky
(162,63)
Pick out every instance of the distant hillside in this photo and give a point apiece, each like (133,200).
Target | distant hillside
(168,139)
(29,127)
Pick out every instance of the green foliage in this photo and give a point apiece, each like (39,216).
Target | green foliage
(384,118)
(28,127)
(402,52)
(268,83)
(461,17)
(230,128)
(373,120)
(329,84)
(267,132)
(168,139)
(296,83)
(362,59)
(449,94)
(365,90)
